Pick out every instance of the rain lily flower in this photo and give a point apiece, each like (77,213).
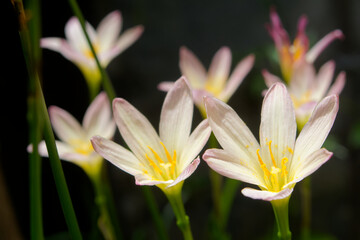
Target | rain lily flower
(307,88)
(74,144)
(292,55)
(104,39)
(278,162)
(216,82)
(164,160)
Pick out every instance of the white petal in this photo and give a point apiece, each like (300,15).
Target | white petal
(186,172)
(306,166)
(136,130)
(125,40)
(266,195)
(108,30)
(76,37)
(220,68)
(195,143)
(98,118)
(176,116)
(278,125)
(231,166)
(117,155)
(317,128)
(192,68)
(236,78)
(165,86)
(67,128)
(338,85)
(231,132)
(323,79)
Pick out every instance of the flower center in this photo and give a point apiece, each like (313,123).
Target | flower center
(81,146)
(277,176)
(163,169)
(299,101)
(214,86)
(88,53)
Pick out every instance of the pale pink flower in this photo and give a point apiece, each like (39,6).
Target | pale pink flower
(307,88)
(280,160)
(216,82)
(105,40)
(74,139)
(164,160)
(293,54)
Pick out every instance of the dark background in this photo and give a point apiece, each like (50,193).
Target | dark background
(202,26)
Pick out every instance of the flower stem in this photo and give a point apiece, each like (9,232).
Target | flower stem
(177,205)
(105,78)
(305,191)
(107,221)
(281,208)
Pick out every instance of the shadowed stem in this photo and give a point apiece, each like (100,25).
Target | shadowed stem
(281,211)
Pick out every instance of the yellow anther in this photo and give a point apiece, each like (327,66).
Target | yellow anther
(271,154)
(262,164)
(166,152)
(151,162)
(156,155)
(290,150)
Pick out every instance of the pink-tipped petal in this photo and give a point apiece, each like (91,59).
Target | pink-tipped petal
(67,128)
(117,155)
(220,67)
(238,75)
(231,166)
(323,79)
(98,118)
(176,116)
(195,143)
(266,195)
(315,51)
(135,128)
(108,30)
(278,124)
(192,68)
(338,85)
(317,128)
(61,46)
(165,86)
(270,78)
(190,169)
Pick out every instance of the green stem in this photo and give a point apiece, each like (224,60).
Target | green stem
(177,205)
(107,85)
(305,191)
(281,209)
(107,222)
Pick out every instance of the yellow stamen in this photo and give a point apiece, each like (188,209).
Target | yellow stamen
(156,155)
(151,162)
(262,164)
(271,154)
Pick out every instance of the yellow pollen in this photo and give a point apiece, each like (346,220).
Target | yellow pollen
(82,146)
(290,150)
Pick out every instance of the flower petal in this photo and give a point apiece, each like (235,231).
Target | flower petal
(231,132)
(266,195)
(75,35)
(136,130)
(176,116)
(67,128)
(306,166)
(192,68)
(317,128)
(278,125)
(117,155)
(186,172)
(338,85)
(315,51)
(108,30)
(231,166)
(219,68)
(270,78)
(236,78)
(194,144)
(165,86)
(323,79)
(126,39)
(98,118)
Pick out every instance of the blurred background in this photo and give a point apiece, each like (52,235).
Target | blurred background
(203,27)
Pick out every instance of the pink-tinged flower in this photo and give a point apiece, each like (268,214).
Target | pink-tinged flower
(74,139)
(280,160)
(105,40)
(164,160)
(216,82)
(291,55)
(307,88)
